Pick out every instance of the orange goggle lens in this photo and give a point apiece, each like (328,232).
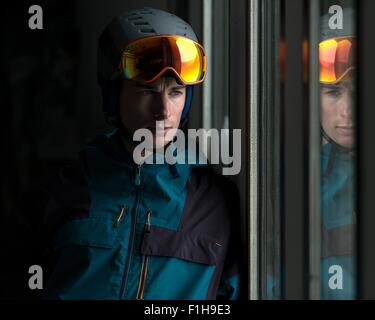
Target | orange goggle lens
(146,59)
(336,58)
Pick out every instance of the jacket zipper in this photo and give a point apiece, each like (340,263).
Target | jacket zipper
(144,269)
(137,181)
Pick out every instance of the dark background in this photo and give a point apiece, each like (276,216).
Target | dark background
(49,96)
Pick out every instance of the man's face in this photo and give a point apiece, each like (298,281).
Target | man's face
(337,114)
(142,105)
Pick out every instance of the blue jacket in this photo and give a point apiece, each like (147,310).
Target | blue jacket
(338,198)
(338,225)
(116,230)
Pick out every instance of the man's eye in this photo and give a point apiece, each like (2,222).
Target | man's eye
(334,93)
(176,92)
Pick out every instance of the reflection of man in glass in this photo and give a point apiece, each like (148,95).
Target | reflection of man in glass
(336,52)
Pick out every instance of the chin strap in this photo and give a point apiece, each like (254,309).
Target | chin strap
(335,149)
(335,144)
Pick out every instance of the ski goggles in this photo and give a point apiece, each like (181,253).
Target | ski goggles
(337,58)
(146,59)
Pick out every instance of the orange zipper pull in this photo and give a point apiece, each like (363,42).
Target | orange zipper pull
(119,217)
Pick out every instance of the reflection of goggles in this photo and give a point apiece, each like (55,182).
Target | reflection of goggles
(336,58)
(146,59)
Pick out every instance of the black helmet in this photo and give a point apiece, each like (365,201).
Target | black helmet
(122,30)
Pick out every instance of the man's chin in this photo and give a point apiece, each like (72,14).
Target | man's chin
(160,145)
(346,143)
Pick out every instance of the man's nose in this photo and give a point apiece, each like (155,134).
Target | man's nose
(161,108)
(347,104)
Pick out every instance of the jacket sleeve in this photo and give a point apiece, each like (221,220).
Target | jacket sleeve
(232,284)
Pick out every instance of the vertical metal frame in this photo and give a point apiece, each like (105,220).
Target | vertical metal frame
(254,149)
(294,156)
(366,150)
(207,85)
(239,115)
(269,150)
(220,66)
(314,153)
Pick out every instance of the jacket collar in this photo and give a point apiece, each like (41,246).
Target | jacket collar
(118,152)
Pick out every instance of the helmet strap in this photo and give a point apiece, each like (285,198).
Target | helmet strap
(335,149)
(339,148)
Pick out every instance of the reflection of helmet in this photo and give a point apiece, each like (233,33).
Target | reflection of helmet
(128,27)
(337,47)
(336,52)
(348,26)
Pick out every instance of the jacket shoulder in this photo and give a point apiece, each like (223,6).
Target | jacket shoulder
(212,200)
(206,180)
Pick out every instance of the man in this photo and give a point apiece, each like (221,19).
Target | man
(338,197)
(113,229)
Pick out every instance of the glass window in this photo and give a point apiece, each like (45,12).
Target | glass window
(308,208)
